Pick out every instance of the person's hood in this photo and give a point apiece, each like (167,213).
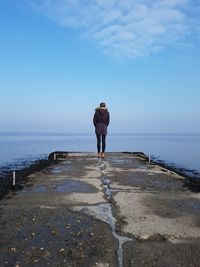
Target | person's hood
(101,110)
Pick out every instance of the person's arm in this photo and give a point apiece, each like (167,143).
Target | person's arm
(108,119)
(94,119)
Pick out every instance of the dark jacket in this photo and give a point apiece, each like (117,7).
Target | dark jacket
(101,120)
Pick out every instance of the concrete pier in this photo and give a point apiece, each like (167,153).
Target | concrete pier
(85,211)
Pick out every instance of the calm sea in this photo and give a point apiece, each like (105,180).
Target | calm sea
(18,150)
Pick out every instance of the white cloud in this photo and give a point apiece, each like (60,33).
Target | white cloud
(125,28)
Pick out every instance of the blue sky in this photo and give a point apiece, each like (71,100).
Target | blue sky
(60,59)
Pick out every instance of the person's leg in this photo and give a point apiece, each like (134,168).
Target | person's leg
(98,143)
(103,145)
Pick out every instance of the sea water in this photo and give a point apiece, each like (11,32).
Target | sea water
(20,149)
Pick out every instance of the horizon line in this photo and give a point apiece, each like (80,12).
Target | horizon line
(91,133)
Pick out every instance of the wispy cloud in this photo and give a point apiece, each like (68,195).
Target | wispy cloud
(126,28)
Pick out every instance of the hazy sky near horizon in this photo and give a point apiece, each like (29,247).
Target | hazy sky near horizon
(60,59)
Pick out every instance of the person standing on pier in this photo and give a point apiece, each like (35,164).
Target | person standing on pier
(101,121)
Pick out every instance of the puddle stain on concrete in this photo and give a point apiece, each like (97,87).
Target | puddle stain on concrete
(40,189)
(72,185)
(68,186)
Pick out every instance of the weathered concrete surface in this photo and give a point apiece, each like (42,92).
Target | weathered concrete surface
(83,211)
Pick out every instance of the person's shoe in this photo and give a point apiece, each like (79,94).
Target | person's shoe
(103,155)
(99,155)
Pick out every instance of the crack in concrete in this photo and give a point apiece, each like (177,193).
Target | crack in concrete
(106,182)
